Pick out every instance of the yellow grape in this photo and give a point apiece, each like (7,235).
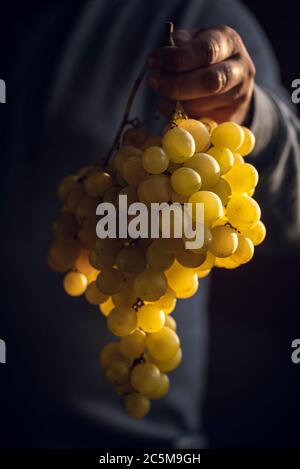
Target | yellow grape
(162,389)
(170,323)
(94,296)
(150,285)
(224,157)
(191,291)
(244,251)
(133,171)
(226,263)
(248,143)
(257,234)
(163,344)
(66,185)
(207,167)
(133,345)
(109,354)
(145,378)
(64,252)
(165,366)
(110,281)
(203,273)
(178,144)
(101,260)
(242,177)
(92,276)
(224,241)
(198,131)
(150,318)
(155,188)
(158,258)
(213,208)
(82,263)
(223,190)
(97,183)
(180,278)
(137,406)
(131,260)
(117,373)
(155,160)
(135,137)
(75,283)
(185,181)
(243,212)
(107,307)
(123,154)
(209,124)
(208,263)
(229,135)
(167,302)
(238,158)
(122,321)
(86,208)
(188,258)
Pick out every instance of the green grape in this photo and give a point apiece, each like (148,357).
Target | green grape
(137,406)
(131,260)
(110,353)
(243,212)
(145,378)
(155,160)
(224,157)
(163,344)
(150,285)
(167,302)
(107,307)
(97,183)
(229,135)
(162,389)
(64,252)
(190,259)
(207,167)
(257,234)
(158,258)
(123,154)
(244,251)
(65,225)
(178,144)
(213,208)
(224,241)
(165,366)
(133,171)
(242,177)
(117,373)
(150,318)
(86,208)
(223,190)
(198,131)
(110,281)
(155,188)
(75,283)
(170,323)
(135,137)
(133,345)
(185,181)
(94,296)
(248,143)
(122,321)
(65,186)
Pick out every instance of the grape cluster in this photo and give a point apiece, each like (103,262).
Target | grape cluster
(137,282)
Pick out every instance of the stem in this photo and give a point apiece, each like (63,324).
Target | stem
(125,118)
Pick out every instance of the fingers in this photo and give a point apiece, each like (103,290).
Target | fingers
(196,49)
(200,83)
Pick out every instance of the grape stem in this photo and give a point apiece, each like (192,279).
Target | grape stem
(126,114)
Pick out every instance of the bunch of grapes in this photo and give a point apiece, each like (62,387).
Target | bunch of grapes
(137,282)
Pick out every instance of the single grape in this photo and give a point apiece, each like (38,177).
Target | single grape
(109,354)
(158,258)
(75,283)
(133,345)
(163,344)
(155,188)
(238,158)
(257,234)
(162,389)
(150,285)
(212,206)
(207,167)
(155,160)
(64,252)
(244,251)
(229,135)
(170,323)
(131,260)
(133,171)
(137,406)
(178,144)
(248,143)
(122,321)
(110,281)
(243,212)
(150,318)
(190,291)
(224,241)
(242,177)
(123,154)
(190,259)
(117,373)
(198,131)
(97,183)
(94,296)
(167,302)
(86,208)
(224,157)
(223,190)
(185,181)
(165,366)
(145,378)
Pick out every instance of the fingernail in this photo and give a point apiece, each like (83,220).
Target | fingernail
(153,83)
(154,62)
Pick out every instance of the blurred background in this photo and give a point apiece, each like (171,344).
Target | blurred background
(253,387)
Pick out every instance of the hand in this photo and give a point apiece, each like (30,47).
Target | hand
(209,71)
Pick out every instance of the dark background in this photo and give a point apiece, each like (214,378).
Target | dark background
(253,393)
